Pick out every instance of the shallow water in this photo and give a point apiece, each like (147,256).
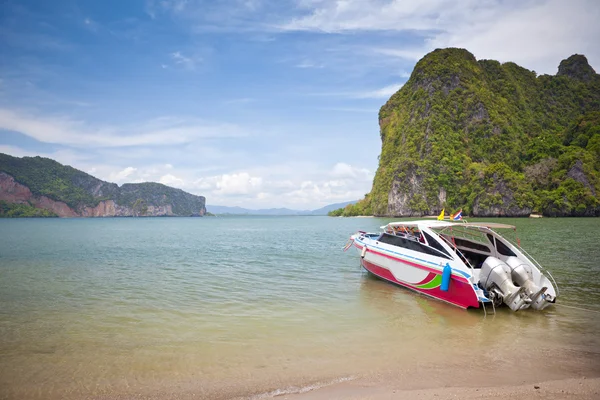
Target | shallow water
(238,306)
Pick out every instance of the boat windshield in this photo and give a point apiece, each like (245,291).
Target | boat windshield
(474,243)
(414,239)
(468,236)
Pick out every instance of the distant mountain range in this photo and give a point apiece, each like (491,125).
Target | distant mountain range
(220,210)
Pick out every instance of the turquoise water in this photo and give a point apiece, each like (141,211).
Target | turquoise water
(235,306)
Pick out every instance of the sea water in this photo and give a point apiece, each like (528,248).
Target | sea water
(253,306)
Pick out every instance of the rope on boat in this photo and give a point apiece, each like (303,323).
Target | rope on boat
(576,308)
(348,244)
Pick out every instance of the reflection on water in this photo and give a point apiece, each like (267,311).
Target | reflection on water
(123,306)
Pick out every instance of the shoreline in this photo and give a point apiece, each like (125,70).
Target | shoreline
(581,388)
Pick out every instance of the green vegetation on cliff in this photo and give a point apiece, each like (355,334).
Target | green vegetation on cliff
(141,195)
(11,210)
(493,139)
(46,177)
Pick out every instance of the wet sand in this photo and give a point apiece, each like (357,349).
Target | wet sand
(575,388)
(567,373)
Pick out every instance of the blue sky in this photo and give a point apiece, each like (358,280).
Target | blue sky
(252,103)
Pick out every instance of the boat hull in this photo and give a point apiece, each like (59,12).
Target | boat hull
(421,279)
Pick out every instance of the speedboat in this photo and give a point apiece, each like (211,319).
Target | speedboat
(465,264)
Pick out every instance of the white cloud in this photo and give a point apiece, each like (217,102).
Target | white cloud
(184,61)
(155,6)
(16,151)
(241,100)
(91,25)
(382,93)
(410,53)
(341,16)
(241,183)
(171,180)
(63,156)
(534,33)
(67,131)
(309,64)
(343,170)
(351,109)
(121,176)
(284,188)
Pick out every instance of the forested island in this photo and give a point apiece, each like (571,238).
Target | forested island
(492,139)
(41,187)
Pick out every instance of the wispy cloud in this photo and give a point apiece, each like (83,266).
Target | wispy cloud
(341,16)
(382,93)
(241,100)
(155,7)
(309,64)
(184,61)
(351,109)
(410,53)
(64,156)
(91,25)
(66,131)
(536,34)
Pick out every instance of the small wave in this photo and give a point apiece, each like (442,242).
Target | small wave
(299,389)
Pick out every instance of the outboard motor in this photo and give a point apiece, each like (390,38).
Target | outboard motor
(495,277)
(522,275)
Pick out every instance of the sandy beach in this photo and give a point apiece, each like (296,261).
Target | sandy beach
(570,373)
(574,388)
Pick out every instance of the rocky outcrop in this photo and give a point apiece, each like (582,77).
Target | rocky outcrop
(108,208)
(57,207)
(13,192)
(576,67)
(86,196)
(577,174)
(408,197)
(503,203)
(491,138)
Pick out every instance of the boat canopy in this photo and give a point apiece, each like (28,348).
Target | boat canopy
(435,224)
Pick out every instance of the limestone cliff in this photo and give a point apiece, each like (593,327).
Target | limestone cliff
(67,192)
(493,139)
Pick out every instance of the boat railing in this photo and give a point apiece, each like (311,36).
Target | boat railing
(462,232)
(462,256)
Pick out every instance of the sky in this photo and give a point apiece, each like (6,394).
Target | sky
(250,103)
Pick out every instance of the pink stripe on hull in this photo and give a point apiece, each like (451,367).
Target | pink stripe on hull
(459,293)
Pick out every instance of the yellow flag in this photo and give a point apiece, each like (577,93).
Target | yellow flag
(441,216)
